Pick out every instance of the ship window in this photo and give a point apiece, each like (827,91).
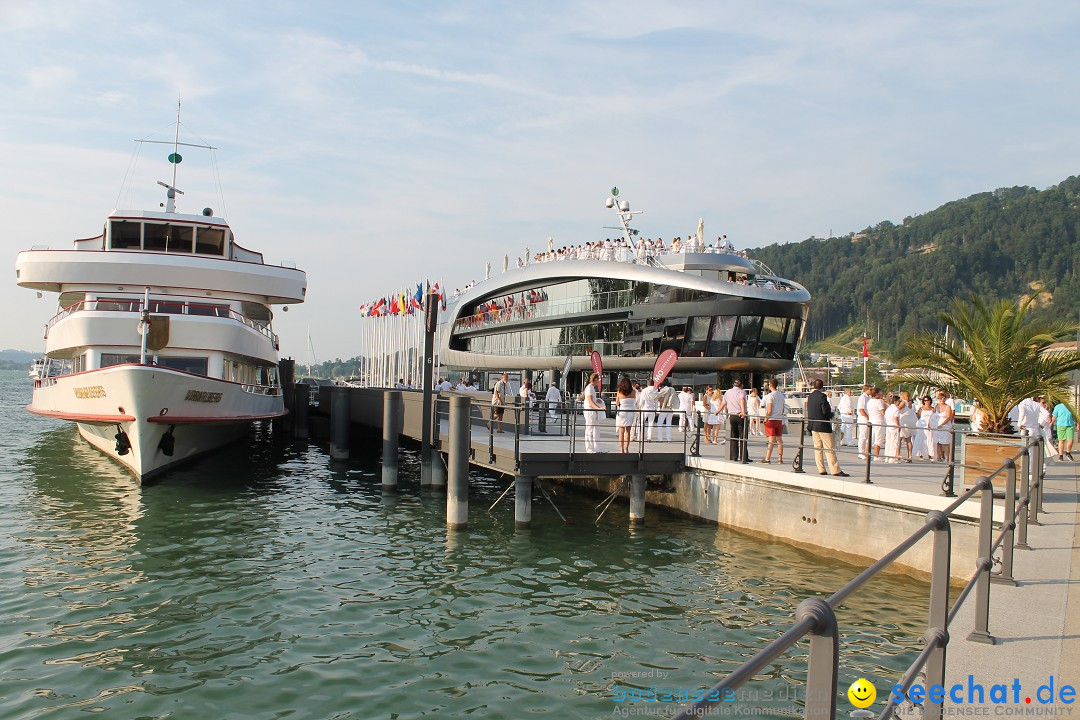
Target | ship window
(697,337)
(674,332)
(210,241)
(772,329)
(110,359)
(208,310)
(125,235)
(744,342)
(117,304)
(167,238)
(169,308)
(194,365)
(723,330)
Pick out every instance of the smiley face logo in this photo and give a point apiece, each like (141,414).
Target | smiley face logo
(862,693)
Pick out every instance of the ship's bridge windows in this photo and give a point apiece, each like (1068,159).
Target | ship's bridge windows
(208,310)
(117,304)
(744,342)
(210,241)
(110,359)
(723,331)
(194,365)
(697,337)
(166,307)
(125,235)
(167,238)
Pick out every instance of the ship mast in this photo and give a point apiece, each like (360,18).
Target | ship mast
(622,209)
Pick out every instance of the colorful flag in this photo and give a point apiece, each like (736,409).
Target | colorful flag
(865,354)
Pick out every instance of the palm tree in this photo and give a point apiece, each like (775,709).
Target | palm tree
(993,356)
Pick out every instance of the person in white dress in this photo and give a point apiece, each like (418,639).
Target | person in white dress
(1049,449)
(666,400)
(861,418)
(753,411)
(712,423)
(908,421)
(686,408)
(553,398)
(846,409)
(626,417)
(875,417)
(892,429)
(943,429)
(649,403)
(922,440)
(593,410)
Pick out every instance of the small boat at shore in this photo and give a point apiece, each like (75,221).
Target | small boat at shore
(162,347)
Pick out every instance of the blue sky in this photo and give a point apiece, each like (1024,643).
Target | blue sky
(376,144)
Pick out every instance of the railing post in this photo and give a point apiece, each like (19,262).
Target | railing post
(491,434)
(797,463)
(824,658)
(1040,463)
(744,452)
(1025,508)
(696,450)
(981,633)
(947,488)
(869,450)
(517,430)
(1027,467)
(937,631)
(1006,574)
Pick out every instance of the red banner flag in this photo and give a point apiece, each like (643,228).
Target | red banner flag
(865,354)
(597,366)
(663,366)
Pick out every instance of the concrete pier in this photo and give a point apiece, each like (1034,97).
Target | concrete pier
(637,499)
(339,423)
(391,423)
(457,492)
(523,487)
(301,406)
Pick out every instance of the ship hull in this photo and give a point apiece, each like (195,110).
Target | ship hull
(163,416)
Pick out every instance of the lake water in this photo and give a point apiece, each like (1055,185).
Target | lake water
(265,581)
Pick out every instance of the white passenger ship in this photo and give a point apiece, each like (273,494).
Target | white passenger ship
(723,313)
(163,338)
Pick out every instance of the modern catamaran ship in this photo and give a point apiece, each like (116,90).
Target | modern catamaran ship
(719,310)
(163,337)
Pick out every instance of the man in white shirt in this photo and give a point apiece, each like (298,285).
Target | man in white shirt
(665,401)
(847,418)
(774,421)
(862,419)
(553,399)
(445,385)
(593,411)
(875,412)
(734,403)
(648,401)
(498,401)
(686,408)
(1028,417)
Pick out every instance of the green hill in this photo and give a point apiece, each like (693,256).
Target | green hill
(894,279)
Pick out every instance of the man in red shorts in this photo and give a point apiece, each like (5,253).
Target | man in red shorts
(774,421)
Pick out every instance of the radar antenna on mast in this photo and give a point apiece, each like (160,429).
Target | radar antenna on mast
(622,209)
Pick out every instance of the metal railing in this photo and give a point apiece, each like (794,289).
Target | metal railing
(816,617)
(186,308)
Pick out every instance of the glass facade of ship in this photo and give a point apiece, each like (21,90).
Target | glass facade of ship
(628,319)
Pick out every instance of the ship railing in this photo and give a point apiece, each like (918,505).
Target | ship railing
(187,308)
(816,617)
(562,427)
(610,300)
(271,390)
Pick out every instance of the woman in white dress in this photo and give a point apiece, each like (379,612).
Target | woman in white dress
(711,401)
(753,411)
(1049,449)
(922,432)
(625,417)
(908,422)
(942,428)
(892,430)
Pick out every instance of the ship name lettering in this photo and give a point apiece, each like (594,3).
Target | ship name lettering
(89,392)
(203,396)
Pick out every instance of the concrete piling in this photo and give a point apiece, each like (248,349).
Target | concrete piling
(339,423)
(523,486)
(301,405)
(457,492)
(391,423)
(637,499)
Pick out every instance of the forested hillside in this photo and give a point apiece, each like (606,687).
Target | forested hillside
(1006,243)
